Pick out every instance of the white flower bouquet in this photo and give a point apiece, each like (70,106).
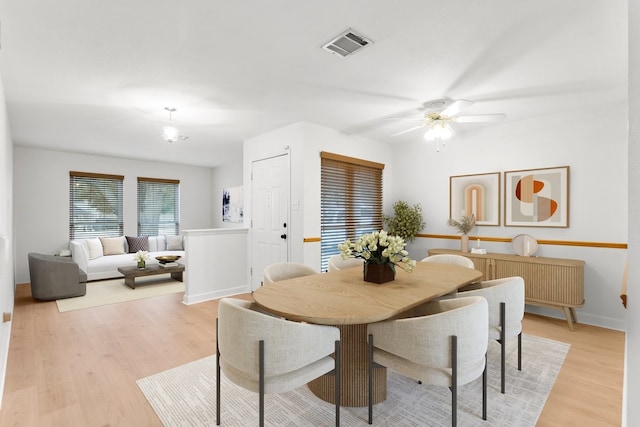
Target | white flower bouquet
(379,248)
(141,257)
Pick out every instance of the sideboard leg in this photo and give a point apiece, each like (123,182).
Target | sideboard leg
(569,315)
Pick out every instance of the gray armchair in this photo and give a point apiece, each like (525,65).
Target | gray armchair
(55,277)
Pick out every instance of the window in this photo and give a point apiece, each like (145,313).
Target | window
(351,201)
(95,205)
(158,207)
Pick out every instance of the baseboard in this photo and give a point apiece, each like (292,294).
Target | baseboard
(208,296)
(585,318)
(5,336)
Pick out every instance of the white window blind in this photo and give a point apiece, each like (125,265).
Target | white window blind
(351,200)
(158,206)
(95,205)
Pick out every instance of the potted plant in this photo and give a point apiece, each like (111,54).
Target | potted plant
(406,220)
(464,226)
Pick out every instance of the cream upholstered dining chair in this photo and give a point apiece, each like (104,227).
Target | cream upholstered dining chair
(445,346)
(285,270)
(506,311)
(267,354)
(337,263)
(450,259)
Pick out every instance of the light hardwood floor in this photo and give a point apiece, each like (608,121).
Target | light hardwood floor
(79,368)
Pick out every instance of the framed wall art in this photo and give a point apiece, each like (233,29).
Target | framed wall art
(232,204)
(537,197)
(475,194)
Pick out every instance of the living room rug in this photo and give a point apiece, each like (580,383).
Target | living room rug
(185,396)
(113,291)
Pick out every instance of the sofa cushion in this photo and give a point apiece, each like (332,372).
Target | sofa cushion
(174,243)
(136,244)
(94,246)
(112,245)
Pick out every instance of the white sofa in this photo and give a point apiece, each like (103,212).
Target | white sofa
(99,266)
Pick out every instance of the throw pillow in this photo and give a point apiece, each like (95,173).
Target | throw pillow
(112,245)
(94,246)
(174,243)
(138,243)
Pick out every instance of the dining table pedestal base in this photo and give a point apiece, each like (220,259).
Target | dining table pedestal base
(354,375)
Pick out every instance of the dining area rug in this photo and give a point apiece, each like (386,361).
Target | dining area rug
(185,396)
(103,292)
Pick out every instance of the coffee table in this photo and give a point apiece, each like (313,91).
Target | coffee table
(131,272)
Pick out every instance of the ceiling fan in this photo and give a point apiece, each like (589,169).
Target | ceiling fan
(440,113)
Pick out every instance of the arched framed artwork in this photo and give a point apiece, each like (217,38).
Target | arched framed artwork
(537,197)
(477,194)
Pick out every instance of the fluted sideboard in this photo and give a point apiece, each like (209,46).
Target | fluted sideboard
(549,282)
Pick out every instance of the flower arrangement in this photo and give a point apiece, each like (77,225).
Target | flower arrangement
(379,248)
(465,225)
(141,257)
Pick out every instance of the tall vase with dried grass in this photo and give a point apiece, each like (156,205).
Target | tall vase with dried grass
(464,226)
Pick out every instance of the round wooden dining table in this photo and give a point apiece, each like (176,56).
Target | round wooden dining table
(342,298)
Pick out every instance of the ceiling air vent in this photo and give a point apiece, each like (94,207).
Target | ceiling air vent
(347,44)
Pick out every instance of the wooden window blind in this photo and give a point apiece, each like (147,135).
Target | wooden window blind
(158,206)
(351,200)
(95,205)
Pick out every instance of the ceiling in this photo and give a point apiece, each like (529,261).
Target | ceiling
(94,76)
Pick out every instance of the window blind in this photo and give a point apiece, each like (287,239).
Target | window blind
(95,205)
(351,200)
(158,206)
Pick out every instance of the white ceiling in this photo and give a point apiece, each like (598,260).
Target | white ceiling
(94,76)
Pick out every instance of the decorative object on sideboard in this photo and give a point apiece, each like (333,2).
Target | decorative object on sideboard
(477,249)
(379,248)
(524,245)
(464,226)
(406,220)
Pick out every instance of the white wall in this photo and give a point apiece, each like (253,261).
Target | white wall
(597,156)
(226,176)
(7,288)
(41,190)
(304,142)
(631,410)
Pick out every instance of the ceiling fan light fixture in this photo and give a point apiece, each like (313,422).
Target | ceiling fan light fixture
(439,131)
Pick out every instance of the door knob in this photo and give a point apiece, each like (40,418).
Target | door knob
(283,236)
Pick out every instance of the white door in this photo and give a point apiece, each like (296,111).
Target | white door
(269,215)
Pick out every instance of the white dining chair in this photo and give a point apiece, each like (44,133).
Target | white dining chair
(506,310)
(450,259)
(267,354)
(337,263)
(445,346)
(285,270)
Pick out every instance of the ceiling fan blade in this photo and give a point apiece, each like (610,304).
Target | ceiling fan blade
(407,130)
(481,118)
(415,119)
(456,107)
